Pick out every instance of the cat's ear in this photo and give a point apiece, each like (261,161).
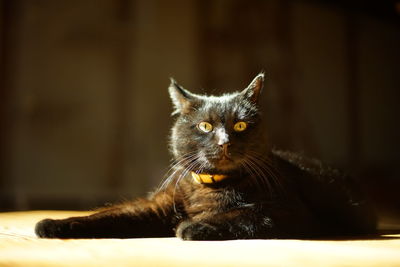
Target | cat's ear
(252,92)
(182,99)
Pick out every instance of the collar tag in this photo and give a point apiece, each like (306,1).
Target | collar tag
(204,178)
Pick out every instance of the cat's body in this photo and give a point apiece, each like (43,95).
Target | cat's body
(227,183)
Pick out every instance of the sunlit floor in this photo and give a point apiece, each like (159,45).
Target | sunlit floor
(20,247)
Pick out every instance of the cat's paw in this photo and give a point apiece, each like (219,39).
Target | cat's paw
(189,230)
(49,228)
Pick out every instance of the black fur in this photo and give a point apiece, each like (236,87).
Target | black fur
(268,193)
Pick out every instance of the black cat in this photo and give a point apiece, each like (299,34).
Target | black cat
(227,183)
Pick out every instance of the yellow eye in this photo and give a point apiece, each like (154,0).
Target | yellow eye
(205,126)
(240,126)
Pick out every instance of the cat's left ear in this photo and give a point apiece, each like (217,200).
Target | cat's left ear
(252,92)
(182,99)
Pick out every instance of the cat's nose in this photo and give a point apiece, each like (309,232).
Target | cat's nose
(225,146)
(225,149)
(222,138)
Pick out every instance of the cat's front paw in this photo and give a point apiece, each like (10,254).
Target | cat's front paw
(189,230)
(49,228)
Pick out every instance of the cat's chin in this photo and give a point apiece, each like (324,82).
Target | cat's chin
(224,165)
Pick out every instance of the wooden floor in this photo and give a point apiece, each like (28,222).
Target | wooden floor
(20,247)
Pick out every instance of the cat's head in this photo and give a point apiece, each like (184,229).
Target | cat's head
(216,134)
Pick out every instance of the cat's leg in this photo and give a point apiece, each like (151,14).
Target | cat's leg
(140,218)
(236,224)
(265,222)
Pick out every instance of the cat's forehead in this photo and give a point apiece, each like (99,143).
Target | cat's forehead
(229,106)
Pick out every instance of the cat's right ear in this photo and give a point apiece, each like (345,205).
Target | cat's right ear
(182,99)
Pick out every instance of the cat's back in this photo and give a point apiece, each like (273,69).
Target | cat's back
(333,196)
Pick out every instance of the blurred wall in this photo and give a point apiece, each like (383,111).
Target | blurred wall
(85,110)
(88,109)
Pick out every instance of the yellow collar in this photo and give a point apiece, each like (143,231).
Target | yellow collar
(204,178)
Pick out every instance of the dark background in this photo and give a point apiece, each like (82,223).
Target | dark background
(84,109)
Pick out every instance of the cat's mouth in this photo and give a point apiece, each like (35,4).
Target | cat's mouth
(224,162)
(221,161)
(225,159)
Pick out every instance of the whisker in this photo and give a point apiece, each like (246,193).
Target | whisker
(168,177)
(267,165)
(181,176)
(250,171)
(260,175)
(266,172)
